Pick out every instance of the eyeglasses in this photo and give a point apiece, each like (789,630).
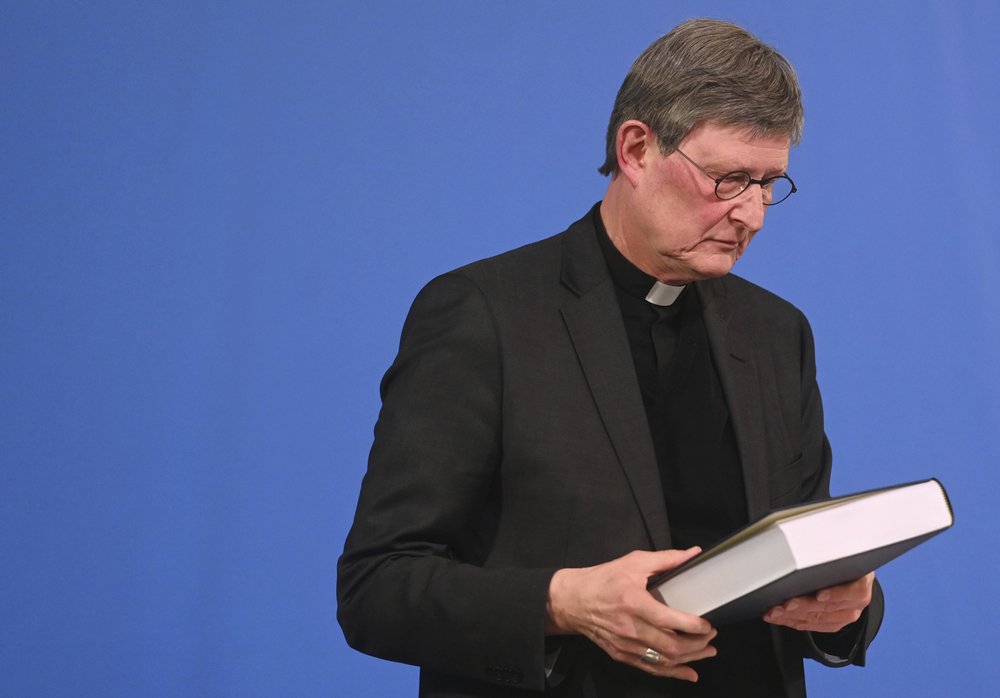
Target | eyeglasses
(774,189)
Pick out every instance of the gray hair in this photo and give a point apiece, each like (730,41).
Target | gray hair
(707,70)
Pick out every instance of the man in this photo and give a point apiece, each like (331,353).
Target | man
(558,413)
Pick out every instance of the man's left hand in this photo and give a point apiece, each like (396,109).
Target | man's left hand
(826,611)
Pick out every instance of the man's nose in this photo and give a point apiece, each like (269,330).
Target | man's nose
(749,209)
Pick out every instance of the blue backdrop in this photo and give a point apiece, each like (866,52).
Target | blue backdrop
(215,215)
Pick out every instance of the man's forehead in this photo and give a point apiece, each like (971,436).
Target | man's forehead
(738,146)
(746,134)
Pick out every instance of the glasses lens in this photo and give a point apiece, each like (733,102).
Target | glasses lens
(732,185)
(777,190)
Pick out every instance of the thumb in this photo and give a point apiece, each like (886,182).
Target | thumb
(664,560)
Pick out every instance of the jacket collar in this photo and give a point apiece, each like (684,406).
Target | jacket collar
(595,325)
(594,322)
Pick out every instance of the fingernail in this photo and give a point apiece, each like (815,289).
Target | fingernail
(792,605)
(777,612)
(823,596)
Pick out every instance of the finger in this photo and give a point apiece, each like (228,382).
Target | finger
(860,596)
(817,621)
(637,656)
(658,615)
(667,668)
(664,560)
(823,626)
(846,605)
(805,605)
(669,656)
(859,589)
(817,616)
(825,600)
(689,657)
(678,648)
(682,672)
(668,619)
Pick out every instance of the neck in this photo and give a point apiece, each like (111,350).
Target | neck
(632,245)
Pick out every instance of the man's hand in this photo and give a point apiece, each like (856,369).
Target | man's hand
(609,604)
(826,611)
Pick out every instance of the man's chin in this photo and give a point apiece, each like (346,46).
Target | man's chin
(713,268)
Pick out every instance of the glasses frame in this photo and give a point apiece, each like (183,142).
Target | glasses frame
(748,180)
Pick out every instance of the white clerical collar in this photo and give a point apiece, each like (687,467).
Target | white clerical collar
(663,294)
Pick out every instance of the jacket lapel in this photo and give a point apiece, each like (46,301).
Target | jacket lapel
(597,331)
(728,335)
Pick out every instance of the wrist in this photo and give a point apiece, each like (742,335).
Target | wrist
(556,621)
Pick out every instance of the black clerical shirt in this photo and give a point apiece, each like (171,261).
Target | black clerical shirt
(697,457)
(686,409)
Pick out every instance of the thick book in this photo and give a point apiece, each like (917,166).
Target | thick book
(801,549)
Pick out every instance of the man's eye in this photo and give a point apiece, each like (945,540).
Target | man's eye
(732,184)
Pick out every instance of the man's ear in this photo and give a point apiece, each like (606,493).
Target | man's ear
(633,145)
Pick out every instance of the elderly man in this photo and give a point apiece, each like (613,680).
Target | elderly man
(569,418)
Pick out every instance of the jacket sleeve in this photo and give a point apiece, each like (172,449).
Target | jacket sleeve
(850,644)
(412,585)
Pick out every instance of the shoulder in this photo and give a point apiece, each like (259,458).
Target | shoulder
(749,292)
(750,300)
(527,274)
(520,264)
(770,320)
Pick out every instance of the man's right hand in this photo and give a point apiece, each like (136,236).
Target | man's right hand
(610,605)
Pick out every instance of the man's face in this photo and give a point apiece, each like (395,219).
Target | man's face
(679,229)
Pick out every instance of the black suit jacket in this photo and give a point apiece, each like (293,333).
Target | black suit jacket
(513,442)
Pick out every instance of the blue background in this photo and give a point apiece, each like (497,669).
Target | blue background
(215,215)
